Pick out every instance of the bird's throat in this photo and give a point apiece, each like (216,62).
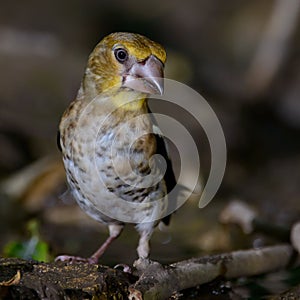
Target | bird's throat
(129,101)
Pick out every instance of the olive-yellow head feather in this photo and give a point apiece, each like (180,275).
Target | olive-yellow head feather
(126,61)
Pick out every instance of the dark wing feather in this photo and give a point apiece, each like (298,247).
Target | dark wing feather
(58,141)
(169,175)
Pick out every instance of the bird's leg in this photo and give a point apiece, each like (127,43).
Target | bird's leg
(114,232)
(143,248)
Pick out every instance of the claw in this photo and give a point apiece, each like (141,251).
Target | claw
(76,259)
(125,268)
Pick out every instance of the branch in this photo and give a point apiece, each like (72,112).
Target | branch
(159,282)
(293,293)
(20,279)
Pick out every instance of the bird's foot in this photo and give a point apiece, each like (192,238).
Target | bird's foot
(125,268)
(146,266)
(76,259)
(142,263)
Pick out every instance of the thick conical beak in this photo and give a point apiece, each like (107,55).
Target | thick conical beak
(146,76)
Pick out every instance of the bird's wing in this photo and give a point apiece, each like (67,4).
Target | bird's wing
(58,141)
(169,177)
(162,149)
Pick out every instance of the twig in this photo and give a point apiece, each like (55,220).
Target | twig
(240,213)
(295,236)
(159,282)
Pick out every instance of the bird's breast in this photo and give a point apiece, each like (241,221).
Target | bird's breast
(114,154)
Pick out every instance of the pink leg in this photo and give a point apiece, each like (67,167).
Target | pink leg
(114,232)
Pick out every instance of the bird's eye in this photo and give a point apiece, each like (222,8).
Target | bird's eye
(121,55)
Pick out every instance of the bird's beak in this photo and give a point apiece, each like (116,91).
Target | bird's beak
(146,76)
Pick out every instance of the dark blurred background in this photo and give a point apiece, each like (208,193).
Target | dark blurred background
(242,56)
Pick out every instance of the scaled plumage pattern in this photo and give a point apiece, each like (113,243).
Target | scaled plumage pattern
(107,139)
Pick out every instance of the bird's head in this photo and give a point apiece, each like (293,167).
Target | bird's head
(126,62)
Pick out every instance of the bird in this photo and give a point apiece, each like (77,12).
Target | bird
(111,146)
